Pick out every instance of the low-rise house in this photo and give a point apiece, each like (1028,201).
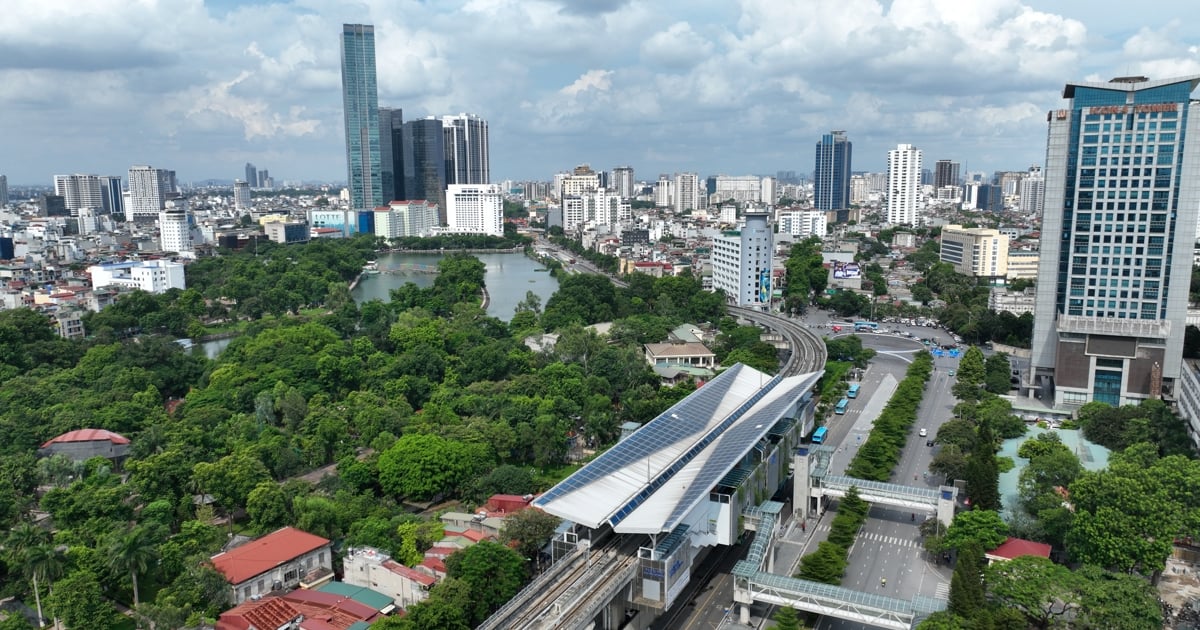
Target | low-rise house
(83,444)
(279,561)
(371,568)
(688,354)
(1015,548)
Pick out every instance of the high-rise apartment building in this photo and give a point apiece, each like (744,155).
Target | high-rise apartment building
(241,196)
(975,252)
(391,152)
(1122,191)
(831,183)
(3,190)
(111,197)
(148,190)
(664,191)
(424,155)
(582,179)
(1033,192)
(687,192)
(475,209)
(738,188)
(360,102)
(741,262)
(623,181)
(945,173)
(904,185)
(79,191)
(466,145)
(405,218)
(174,231)
(251,175)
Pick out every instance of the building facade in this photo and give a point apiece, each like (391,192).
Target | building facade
(738,188)
(687,192)
(904,185)
(741,262)
(1122,190)
(424,155)
(151,276)
(945,173)
(360,102)
(278,561)
(405,218)
(467,154)
(3,191)
(975,252)
(831,182)
(111,197)
(475,209)
(1033,192)
(148,188)
(174,231)
(803,223)
(79,191)
(623,181)
(391,153)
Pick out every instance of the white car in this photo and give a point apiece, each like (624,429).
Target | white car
(924,433)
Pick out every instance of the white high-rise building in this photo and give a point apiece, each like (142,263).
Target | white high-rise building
(88,223)
(803,223)
(597,207)
(739,188)
(1033,192)
(466,146)
(664,191)
(767,191)
(904,185)
(406,218)
(741,262)
(241,195)
(623,181)
(151,276)
(79,191)
(148,188)
(475,209)
(687,192)
(583,179)
(174,231)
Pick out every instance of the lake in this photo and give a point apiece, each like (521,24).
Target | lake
(507,276)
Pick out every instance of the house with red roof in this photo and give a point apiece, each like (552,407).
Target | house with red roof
(279,561)
(84,444)
(303,610)
(376,570)
(1015,548)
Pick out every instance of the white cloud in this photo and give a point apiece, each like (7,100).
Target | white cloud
(677,47)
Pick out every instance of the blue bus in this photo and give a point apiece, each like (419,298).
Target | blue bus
(841,406)
(853,391)
(818,436)
(865,326)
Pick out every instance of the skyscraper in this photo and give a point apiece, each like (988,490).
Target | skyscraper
(110,192)
(1033,192)
(466,144)
(251,175)
(1121,204)
(741,262)
(425,162)
(391,152)
(79,191)
(623,181)
(241,196)
(904,185)
(148,189)
(264,179)
(831,186)
(945,173)
(360,102)
(687,189)
(3,190)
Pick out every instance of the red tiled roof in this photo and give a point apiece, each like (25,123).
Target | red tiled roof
(412,574)
(261,555)
(271,612)
(1016,547)
(440,551)
(434,564)
(88,435)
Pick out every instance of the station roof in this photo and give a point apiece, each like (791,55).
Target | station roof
(648,482)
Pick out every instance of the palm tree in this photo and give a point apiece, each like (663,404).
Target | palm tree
(28,546)
(133,553)
(47,562)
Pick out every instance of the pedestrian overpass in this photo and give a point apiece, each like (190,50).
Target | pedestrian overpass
(754,581)
(813,483)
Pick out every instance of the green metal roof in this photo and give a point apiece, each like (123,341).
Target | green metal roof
(360,594)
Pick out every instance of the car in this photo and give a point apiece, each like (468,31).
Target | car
(924,432)
(951,372)
(929,443)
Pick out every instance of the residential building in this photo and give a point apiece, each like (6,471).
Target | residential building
(424,156)
(1033,192)
(148,189)
(317,609)
(741,262)
(687,192)
(52,206)
(111,197)
(275,562)
(945,173)
(79,191)
(975,252)
(3,191)
(596,207)
(251,175)
(287,232)
(151,276)
(241,196)
(475,209)
(1189,399)
(904,185)
(360,103)
(1022,264)
(581,180)
(175,232)
(664,191)
(831,181)
(623,182)
(768,190)
(1122,188)
(738,188)
(802,223)
(405,218)
(391,153)
(689,354)
(376,570)
(466,146)
(1002,300)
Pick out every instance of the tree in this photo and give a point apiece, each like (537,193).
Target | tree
(982,473)
(944,620)
(28,546)
(131,552)
(79,602)
(967,585)
(528,530)
(1117,600)
(1041,590)
(421,466)
(827,564)
(786,618)
(976,527)
(493,572)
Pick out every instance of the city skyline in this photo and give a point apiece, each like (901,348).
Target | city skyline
(205,87)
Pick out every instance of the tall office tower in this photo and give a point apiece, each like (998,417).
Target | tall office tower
(623,181)
(241,196)
(475,209)
(174,233)
(52,206)
(1122,191)
(424,155)
(264,179)
(741,262)
(111,197)
(148,188)
(831,182)
(904,185)
(391,152)
(360,102)
(79,191)
(251,175)
(687,192)
(1033,192)
(945,173)
(3,190)
(926,177)
(466,145)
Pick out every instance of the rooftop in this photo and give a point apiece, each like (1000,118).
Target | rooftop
(88,435)
(1016,547)
(263,554)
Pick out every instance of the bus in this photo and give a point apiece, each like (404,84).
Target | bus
(853,391)
(865,327)
(841,406)
(818,436)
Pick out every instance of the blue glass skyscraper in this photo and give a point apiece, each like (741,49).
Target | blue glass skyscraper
(831,186)
(360,101)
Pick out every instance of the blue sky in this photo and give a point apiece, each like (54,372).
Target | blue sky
(713,86)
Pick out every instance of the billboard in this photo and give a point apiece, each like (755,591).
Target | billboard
(846,270)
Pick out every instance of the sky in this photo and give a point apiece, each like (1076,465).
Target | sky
(711,86)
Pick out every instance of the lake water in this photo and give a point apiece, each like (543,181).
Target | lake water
(507,276)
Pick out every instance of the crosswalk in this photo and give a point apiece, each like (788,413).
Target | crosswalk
(943,590)
(879,538)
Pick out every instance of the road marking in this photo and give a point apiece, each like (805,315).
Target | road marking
(942,591)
